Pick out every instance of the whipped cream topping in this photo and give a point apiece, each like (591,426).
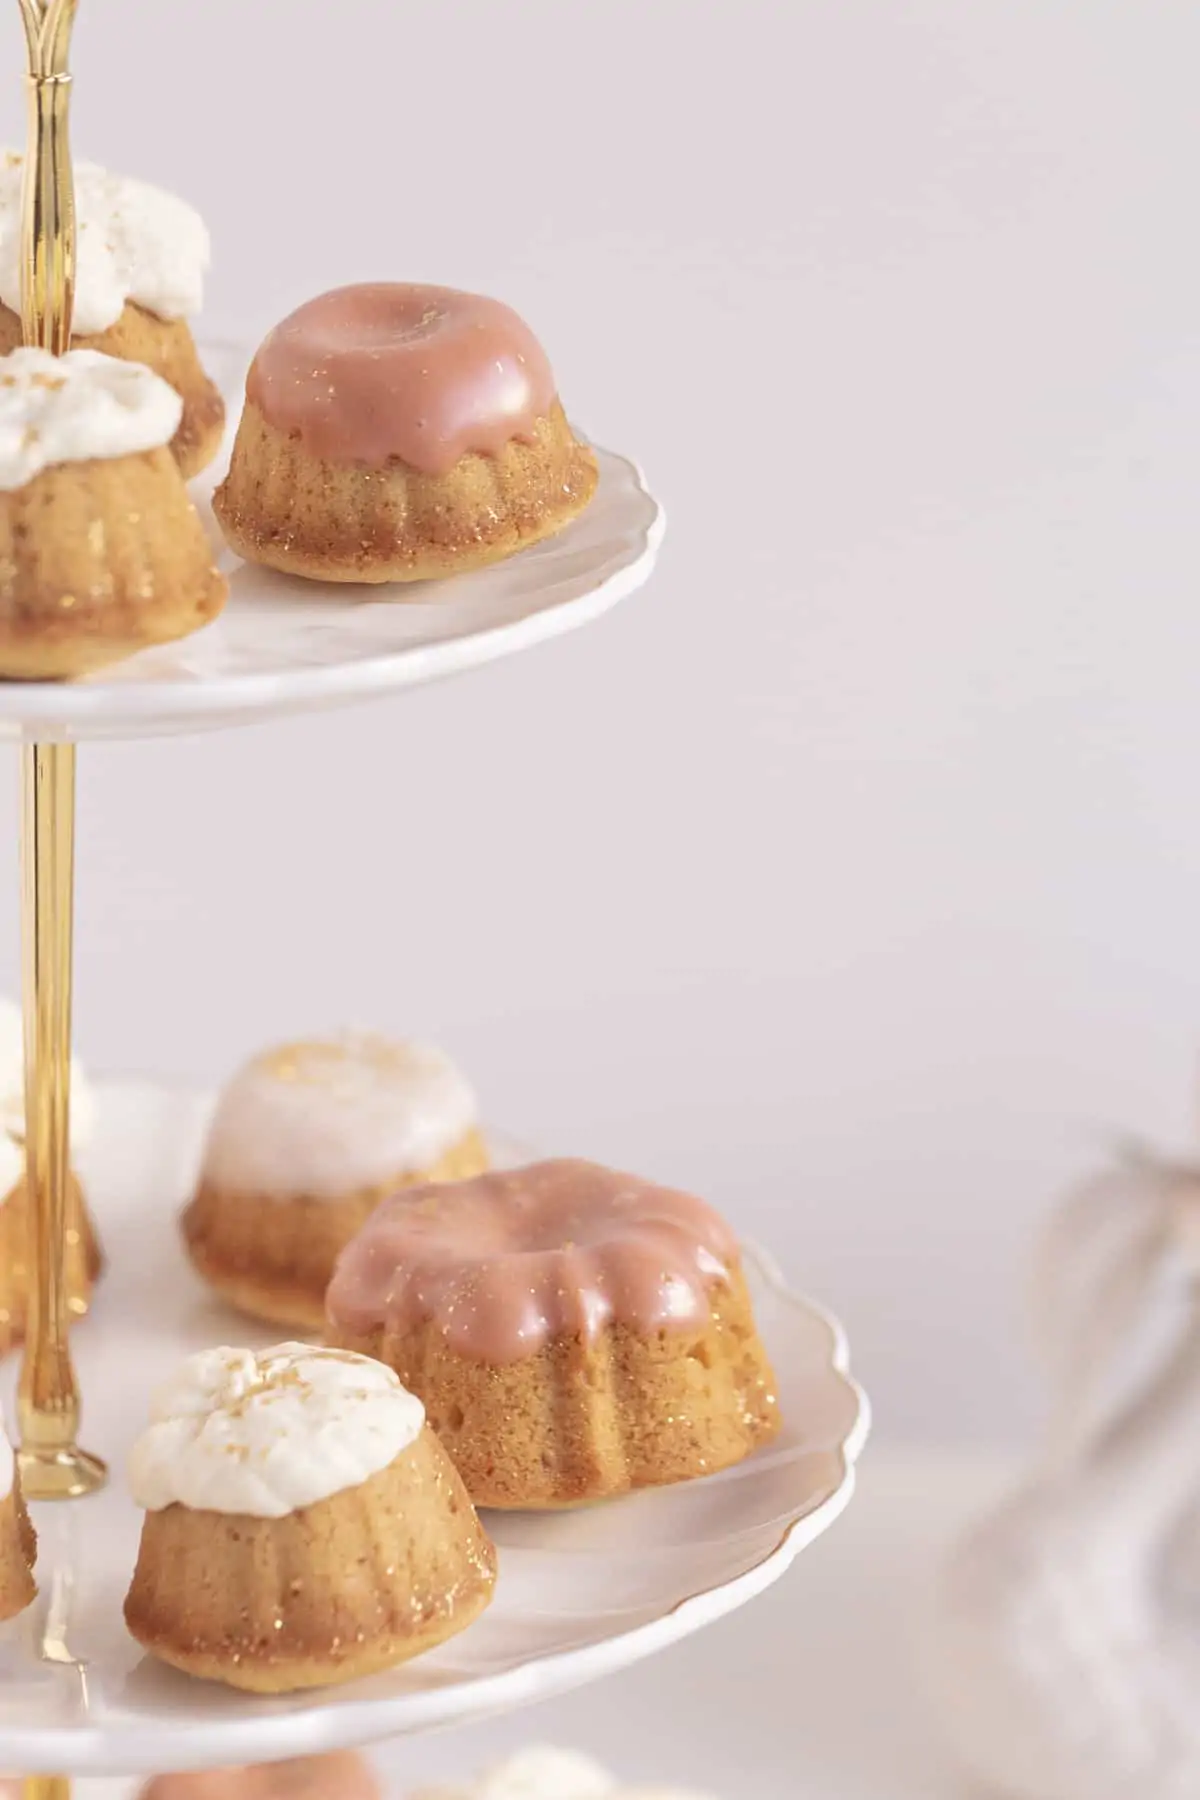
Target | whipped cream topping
(265,1433)
(12,1102)
(78,408)
(331,1118)
(133,242)
(542,1773)
(8,1461)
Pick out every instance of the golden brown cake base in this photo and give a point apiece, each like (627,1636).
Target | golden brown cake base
(18,1553)
(97,560)
(578,1422)
(358,1583)
(84,1261)
(167,347)
(284,507)
(273,1259)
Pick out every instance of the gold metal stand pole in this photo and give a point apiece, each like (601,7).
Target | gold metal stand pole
(45,1787)
(52,1465)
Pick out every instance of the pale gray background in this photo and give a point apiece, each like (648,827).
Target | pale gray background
(852,874)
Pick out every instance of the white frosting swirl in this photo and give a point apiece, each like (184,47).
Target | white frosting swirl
(12,1101)
(8,1464)
(265,1433)
(134,242)
(78,408)
(331,1118)
(542,1773)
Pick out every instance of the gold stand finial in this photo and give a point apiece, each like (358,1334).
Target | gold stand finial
(52,1465)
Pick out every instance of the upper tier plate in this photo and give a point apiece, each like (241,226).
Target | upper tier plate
(285,646)
(580,1593)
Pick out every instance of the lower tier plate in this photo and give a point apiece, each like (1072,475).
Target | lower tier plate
(580,1593)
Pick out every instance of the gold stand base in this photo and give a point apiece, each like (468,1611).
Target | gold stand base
(60,1474)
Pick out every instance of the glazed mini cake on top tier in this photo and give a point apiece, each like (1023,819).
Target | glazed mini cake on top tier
(83,1250)
(303,1525)
(339,1775)
(545,1774)
(395,432)
(574,1332)
(18,1544)
(101,551)
(305,1142)
(141,259)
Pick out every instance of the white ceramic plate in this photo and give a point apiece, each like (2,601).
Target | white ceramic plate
(285,646)
(580,1594)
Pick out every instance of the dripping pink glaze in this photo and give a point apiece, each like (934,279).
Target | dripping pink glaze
(507,1261)
(387,369)
(337,1775)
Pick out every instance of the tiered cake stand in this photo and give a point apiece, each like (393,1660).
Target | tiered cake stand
(580,1594)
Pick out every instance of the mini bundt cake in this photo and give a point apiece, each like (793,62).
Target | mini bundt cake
(573,1332)
(18,1544)
(305,1142)
(84,1260)
(303,1524)
(141,259)
(101,551)
(393,432)
(338,1775)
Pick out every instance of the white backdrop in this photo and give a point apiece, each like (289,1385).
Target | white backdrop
(853,874)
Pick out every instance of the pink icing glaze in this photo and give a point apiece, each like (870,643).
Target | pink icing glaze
(339,1775)
(507,1261)
(387,369)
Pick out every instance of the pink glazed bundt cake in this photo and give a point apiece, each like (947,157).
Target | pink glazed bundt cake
(574,1333)
(336,1775)
(395,432)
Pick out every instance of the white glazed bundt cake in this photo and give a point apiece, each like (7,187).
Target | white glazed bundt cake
(141,259)
(306,1140)
(101,550)
(303,1524)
